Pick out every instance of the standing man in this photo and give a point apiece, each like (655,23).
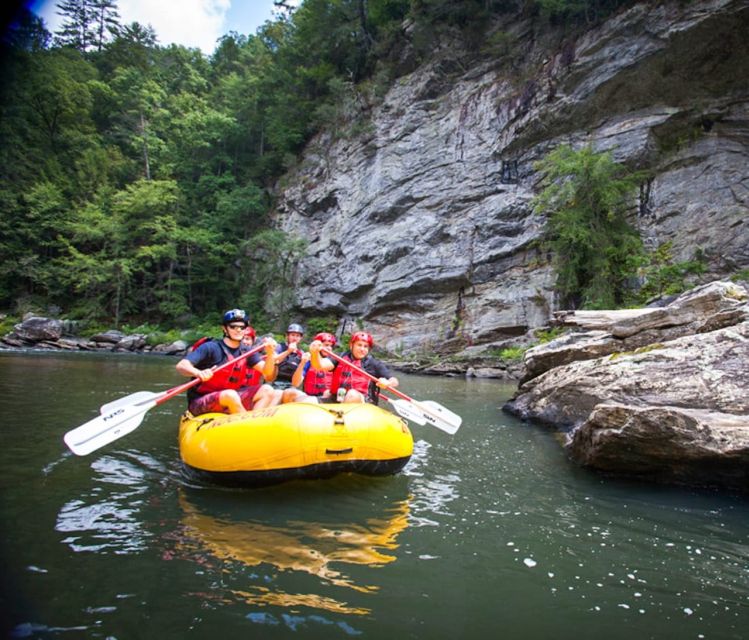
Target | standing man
(232,389)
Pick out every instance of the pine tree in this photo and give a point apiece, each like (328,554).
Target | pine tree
(77,26)
(106,21)
(586,196)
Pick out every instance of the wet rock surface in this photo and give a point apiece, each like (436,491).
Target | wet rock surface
(657,393)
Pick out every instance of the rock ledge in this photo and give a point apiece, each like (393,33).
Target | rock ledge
(658,393)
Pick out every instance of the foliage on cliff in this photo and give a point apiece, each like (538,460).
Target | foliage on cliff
(595,250)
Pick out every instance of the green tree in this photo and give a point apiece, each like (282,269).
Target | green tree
(595,251)
(140,101)
(124,251)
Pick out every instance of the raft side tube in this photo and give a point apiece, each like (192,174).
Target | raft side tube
(294,441)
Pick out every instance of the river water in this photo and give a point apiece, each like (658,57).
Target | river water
(491,532)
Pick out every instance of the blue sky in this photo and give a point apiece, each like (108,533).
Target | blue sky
(192,23)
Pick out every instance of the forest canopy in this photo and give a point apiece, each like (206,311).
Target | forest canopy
(136,179)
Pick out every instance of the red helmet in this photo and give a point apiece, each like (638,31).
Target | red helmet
(362,335)
(249,332)
(324,336)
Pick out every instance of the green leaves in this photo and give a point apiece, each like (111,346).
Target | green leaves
(586,197)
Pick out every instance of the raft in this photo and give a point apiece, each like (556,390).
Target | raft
(292,442)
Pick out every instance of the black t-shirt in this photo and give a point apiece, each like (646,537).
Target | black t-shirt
(288,366)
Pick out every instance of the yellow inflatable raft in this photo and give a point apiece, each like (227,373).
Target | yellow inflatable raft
(293,441)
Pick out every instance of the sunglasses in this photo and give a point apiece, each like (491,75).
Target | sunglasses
(237,327)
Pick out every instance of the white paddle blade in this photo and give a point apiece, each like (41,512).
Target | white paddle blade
(106,428)
(408,411)
(439,416)
(134,398)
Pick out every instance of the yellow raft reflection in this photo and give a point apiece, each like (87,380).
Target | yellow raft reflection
(310,547)
(294,441)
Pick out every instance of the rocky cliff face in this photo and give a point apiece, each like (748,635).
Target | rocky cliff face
(421,228)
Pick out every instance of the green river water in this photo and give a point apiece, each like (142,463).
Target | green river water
(490,533)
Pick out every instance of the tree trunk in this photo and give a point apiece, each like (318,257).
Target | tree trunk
(146,163)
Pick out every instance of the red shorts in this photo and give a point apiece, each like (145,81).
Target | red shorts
(209,403)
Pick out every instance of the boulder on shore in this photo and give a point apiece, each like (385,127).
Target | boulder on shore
(658,393)
(38,329)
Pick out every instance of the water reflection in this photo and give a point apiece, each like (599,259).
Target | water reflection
(109,518)
(295,548)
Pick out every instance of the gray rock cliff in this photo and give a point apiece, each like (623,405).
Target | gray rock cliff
(421,226)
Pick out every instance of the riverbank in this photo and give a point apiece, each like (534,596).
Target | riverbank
(660,394)
(51,334)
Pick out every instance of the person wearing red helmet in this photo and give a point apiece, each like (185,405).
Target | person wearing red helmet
(232,389)
(249,336)
(314,382)
(354,386)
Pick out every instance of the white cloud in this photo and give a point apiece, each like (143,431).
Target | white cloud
(192,23)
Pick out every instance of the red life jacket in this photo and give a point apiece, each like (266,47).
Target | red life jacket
(234,377)
(317,382)
(198,342)
(348,378)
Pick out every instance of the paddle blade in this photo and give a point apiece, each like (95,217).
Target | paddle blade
(106,428)
(138,397)
(408,411)
(439,416)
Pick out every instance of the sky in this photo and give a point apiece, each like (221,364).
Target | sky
(191,23)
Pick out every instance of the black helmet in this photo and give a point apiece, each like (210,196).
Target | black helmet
(234,315)
(295,328)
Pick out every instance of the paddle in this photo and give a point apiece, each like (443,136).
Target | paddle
(121,416)
(406,410)
(426,410)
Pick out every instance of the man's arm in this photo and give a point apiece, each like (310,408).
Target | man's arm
(317,361)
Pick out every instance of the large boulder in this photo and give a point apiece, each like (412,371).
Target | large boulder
(109,337)
(38,329)
(674,409)
(674,444)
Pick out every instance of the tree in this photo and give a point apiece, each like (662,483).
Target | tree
(595,251)
(77,29)
(140,101)
(26,32)
(106,21)
(269,262)
(124,251)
